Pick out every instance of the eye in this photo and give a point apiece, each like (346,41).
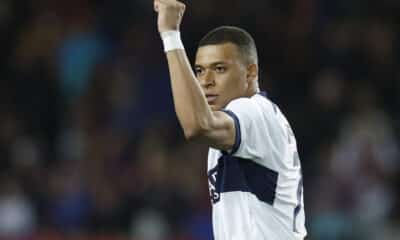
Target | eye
(220,69)
(199,71)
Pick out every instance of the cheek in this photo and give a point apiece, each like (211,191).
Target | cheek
(236,83)
(232,83)
(230,87)
(227,83)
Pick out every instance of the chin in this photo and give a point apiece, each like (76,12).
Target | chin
(215,107)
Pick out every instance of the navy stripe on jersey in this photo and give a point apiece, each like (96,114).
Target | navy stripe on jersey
(240,174)
(238,136)
(263,93)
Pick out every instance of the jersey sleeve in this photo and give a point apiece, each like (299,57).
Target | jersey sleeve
(251,128)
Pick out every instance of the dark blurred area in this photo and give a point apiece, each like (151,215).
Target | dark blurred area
(90,147)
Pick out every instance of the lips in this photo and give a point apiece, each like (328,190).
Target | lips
(211,98)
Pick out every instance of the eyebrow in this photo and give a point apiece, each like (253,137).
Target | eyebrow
(211,64)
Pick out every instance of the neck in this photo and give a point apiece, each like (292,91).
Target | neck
(253,89)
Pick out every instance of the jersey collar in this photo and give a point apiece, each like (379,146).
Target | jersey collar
(263,93)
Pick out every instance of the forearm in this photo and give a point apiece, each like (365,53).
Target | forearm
(192,109)
(196,117)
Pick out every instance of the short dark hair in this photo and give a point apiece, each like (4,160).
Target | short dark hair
(238,36)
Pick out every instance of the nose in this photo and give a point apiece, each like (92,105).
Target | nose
(208,79)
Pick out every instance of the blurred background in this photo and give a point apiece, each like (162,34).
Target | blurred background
(90,147)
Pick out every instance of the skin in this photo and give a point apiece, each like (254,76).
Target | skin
(221,71)
(229,79)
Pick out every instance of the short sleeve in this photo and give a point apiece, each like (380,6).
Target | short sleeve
(250,127)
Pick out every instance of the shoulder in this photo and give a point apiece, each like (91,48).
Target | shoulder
(239,102)
(255,103)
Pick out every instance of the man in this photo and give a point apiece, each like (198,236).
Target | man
(253,166)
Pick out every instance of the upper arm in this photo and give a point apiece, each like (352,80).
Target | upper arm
(233,127)
(220,133)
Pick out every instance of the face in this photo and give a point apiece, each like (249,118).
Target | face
(222,74)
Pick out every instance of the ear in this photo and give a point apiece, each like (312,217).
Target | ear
(252,72)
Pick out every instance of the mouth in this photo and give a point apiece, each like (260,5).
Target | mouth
(211,98)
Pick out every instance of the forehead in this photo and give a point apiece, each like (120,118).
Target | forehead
(226,52)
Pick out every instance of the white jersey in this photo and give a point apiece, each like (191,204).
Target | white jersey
(256,188)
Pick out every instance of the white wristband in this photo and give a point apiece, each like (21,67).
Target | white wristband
(171,40)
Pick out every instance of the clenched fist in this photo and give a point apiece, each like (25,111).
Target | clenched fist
(170,13)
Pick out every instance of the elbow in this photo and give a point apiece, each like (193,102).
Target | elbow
(194,130)
(192,133)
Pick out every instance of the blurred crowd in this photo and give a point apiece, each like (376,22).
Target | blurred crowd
(89,142)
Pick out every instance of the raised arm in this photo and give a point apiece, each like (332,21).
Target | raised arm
(198,121)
